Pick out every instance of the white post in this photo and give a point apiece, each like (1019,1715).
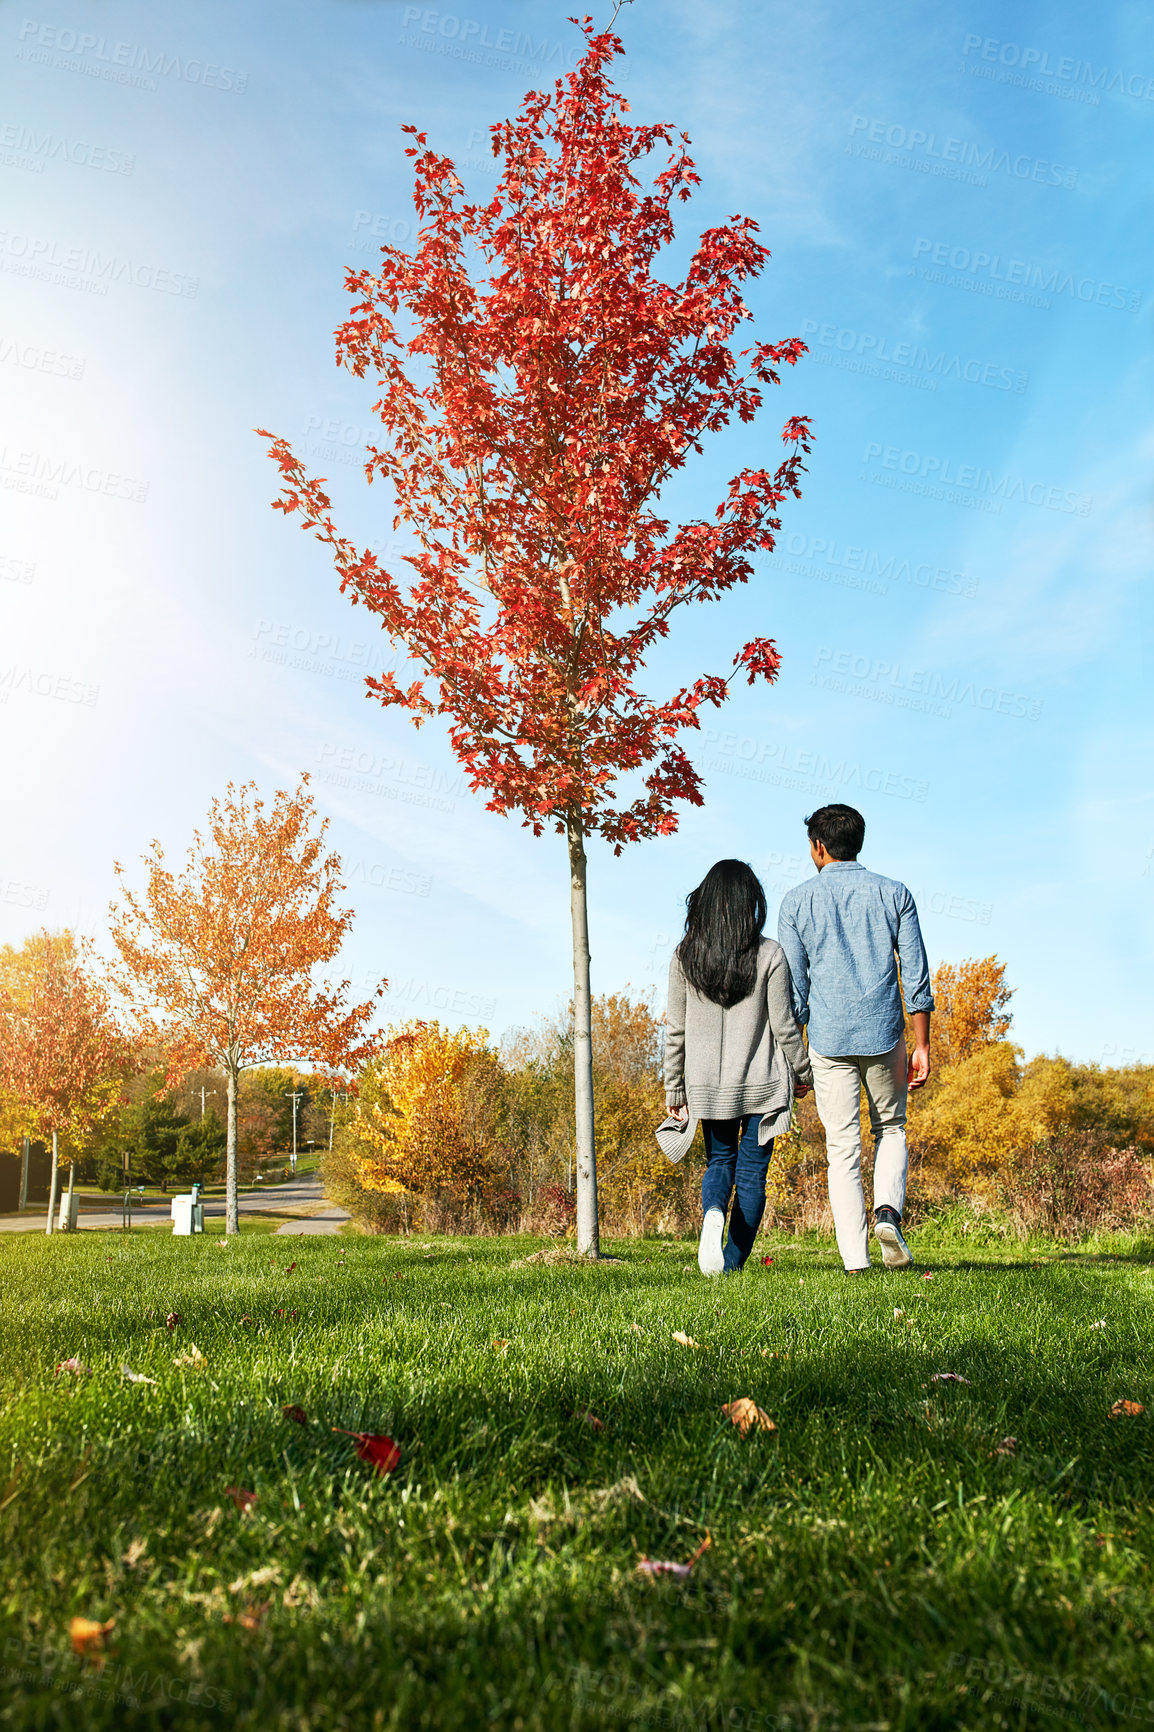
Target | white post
(52,1188)
(71,1188)
(24,1158)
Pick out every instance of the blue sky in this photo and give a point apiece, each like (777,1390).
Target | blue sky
(959,213)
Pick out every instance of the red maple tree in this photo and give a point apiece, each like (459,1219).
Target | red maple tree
(533,409)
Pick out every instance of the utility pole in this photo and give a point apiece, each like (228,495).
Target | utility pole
(294,1098)
(202,1093)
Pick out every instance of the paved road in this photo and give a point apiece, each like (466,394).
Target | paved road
(302,1199)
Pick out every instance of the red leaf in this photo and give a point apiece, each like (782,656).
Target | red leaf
(243,1500)
(297,1414)
(662,1566)
(171,1321)
(74,1366)
(379,1451)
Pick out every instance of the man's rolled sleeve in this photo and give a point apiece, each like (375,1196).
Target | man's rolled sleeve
(915,964)
(789,938)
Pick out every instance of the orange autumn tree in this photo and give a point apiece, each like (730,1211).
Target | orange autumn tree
(427,1113)
(964,1124)
(63,1056)
(970,999)
(223,955)
(542,382)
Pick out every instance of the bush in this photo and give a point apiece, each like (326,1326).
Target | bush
(1072,1183)
(554,1211)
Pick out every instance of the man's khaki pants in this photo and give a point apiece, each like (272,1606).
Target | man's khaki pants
(837,1086)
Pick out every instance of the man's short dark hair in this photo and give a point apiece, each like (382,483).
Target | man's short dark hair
(840,829)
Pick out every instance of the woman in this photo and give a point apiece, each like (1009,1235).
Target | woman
(734,1056)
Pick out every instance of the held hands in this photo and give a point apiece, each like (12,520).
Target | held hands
(800,1090)
(680,1113)
(919,1068)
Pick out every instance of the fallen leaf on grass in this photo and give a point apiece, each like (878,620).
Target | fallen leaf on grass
(662,1566)
(1006,1446)
(747,1415)
(74,1366)
(1126,1409)
(193,1357)
(1101,1324)
(87,1638)
(375,1448)
(927,1275)
(592,1421)
(252,1617)
(500,1344)
(767,1261)
(948,1377)
(637,1329)
(289,1267)
(282,1313)
(898,1312)
(684,1339)
(135,1553)
(243,1500)
(171,1321)
(296,1413)
(132,1376)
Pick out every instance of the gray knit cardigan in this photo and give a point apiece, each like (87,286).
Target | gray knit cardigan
(723,1064)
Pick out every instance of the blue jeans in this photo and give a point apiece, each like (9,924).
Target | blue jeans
(736,1166)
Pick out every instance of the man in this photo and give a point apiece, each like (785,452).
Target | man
(845,933)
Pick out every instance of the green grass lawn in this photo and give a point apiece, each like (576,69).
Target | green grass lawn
(875,1563)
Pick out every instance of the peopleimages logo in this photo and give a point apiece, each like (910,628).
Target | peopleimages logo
(118,62)
(1020,275)
(49,261)
(928,150)
(1066,68)
(970,478)
(916,688)
(938,363)
(878,569)
(453,28)
(24,147)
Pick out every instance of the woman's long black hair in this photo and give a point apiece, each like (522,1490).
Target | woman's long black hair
(724,919)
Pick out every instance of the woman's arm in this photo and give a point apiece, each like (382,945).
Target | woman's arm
(781,1019)
(675,1037)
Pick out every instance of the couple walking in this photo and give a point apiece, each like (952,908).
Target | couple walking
(735,1058)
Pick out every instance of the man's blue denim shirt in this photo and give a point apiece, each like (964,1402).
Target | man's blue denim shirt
(840,932)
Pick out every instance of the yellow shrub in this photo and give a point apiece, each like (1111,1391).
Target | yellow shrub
(427,1115)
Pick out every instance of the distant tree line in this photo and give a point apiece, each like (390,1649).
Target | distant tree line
(447,1130)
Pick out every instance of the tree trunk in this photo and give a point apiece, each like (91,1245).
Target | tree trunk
(231,1205)
(588,1243)
(52,1188)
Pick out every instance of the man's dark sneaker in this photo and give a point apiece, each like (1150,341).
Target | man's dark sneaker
(888,1233)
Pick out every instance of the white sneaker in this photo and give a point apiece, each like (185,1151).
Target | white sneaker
(895,1251)
(710,1255)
